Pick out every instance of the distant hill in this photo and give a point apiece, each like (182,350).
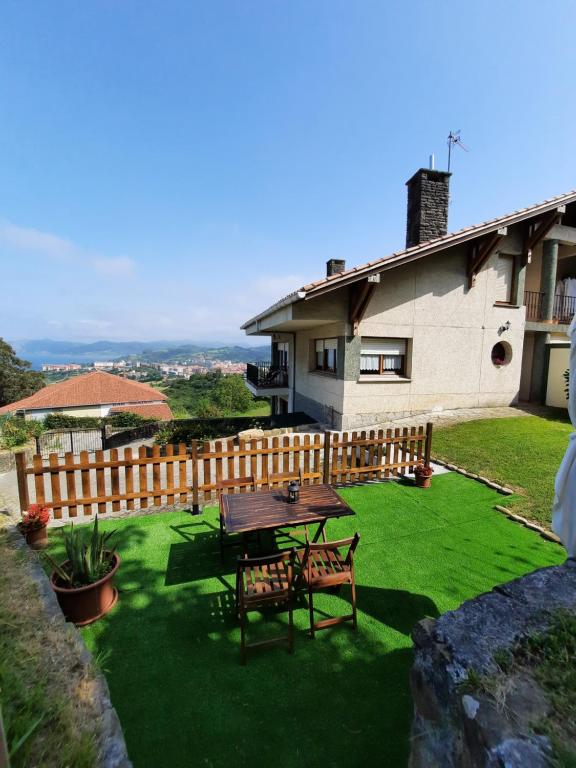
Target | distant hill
(39,351)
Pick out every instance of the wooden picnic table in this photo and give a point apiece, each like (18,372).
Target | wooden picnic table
(266,510)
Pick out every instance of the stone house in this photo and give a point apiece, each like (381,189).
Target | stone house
(467,319)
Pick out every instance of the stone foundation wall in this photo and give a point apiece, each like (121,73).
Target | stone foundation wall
(455,728)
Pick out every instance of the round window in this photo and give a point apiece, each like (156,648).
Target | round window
(501,354)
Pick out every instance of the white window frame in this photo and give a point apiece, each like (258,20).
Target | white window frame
(383,351)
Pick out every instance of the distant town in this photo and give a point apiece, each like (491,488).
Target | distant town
(138,370)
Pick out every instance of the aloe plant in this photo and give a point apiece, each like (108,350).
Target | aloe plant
(88,560)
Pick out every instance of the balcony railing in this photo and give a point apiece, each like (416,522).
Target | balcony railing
(563,311)
(266,375)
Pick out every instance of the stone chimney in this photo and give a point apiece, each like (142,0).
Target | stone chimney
(428,195)
(333,266)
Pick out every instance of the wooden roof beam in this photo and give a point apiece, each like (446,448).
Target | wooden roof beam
(480,253)
(538,231)
(359,300)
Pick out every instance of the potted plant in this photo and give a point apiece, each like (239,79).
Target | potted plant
(83,583)
(33,526)
(423,475)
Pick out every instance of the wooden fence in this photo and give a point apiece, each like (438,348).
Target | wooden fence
(189,475)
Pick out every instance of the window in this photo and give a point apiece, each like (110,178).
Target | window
(501,354)
(504,279)
(281,356)
(381,357)
(325,355)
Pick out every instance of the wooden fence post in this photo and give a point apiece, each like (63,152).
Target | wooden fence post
(194,456)
(326,471)
(428,444)
(20,457)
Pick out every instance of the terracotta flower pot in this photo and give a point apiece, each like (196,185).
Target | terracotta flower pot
(36,538)
(422,481)
(83,605)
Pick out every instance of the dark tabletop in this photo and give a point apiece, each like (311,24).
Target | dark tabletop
(244,512)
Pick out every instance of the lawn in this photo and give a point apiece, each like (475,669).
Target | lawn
(523,453)
(170,648)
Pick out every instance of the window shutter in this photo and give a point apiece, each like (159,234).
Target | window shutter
(330,343)
(383,347)
(319,345)
(504,277)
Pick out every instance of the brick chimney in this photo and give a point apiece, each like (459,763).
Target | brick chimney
(333,266)
(428,195)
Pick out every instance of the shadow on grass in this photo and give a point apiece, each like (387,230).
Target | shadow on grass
(175,679)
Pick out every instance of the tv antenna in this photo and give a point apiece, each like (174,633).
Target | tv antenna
(454,140)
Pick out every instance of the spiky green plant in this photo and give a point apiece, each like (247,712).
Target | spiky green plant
(88,560)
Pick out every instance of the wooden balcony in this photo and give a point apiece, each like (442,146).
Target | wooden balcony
(563,312)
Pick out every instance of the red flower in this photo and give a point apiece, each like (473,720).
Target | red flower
(37,516)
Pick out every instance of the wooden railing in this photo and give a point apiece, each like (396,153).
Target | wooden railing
(189,475)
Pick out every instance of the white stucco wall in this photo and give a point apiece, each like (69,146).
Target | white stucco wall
(559,363)
(452,331)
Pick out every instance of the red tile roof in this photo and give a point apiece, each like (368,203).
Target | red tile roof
(94,388)
(160,411)
(411,254)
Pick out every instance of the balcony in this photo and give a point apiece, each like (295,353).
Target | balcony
(563,312)
(261,377)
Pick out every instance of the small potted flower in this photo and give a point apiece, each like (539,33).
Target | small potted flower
(83,583)
(33,526)
(423,475)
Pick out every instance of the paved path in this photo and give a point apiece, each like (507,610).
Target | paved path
(450,417)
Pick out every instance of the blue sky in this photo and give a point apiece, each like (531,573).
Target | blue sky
(168,169)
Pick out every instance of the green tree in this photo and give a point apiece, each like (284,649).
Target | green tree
(206,409)
(16,378)
(231,395)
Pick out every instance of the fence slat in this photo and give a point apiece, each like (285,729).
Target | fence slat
(38,464)
(183,475)
(70,486)
(115,479)
(100,481)
(156,481)
(206,475)
(85,481)
(169,475)
(143,477)
(306,468)
(242,463)
(55,485)
(129,477)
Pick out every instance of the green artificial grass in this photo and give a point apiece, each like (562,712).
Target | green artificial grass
(523,453)
(172,643)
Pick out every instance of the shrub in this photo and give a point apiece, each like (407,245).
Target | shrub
(16,431)
(127,419)
(66,421)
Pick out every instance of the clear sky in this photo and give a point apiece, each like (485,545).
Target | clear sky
(168,168)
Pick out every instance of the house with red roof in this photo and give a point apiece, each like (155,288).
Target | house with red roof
(93,394)
(477,317)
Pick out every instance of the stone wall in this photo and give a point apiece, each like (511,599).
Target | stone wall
(454,727)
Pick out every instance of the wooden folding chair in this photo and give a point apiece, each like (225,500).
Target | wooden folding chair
(322,566)
(222,487)
(263,582)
